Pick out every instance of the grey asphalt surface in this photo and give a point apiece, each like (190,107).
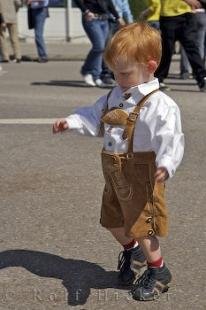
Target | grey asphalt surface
(54,254)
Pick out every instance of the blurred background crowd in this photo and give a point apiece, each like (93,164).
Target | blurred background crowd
(182,24)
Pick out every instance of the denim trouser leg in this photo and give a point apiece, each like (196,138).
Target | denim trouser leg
(40,16)
(201,23)
(97,31)
(200,39)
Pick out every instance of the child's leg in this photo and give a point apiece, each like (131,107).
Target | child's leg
(156,278)
(151,248)
(131,259)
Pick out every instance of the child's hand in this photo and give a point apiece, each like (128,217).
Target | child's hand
(60,125)
(161,174)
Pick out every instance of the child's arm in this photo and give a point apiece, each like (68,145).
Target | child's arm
(85,120)
(168,142)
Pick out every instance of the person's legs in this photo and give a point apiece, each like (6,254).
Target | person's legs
(4,47)
(156,278)
(151,248)
(187,37)
(184,65)
(97,32)
(39,16)
(201,31)
(107,75)
(13,33)
(131,259)
(168,29)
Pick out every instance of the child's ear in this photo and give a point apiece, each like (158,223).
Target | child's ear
(152,66)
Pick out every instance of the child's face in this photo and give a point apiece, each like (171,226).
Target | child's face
(131,74)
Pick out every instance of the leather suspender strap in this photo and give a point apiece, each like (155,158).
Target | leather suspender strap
(131,121)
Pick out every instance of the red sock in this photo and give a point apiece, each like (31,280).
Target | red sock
(130,245)
(156,264)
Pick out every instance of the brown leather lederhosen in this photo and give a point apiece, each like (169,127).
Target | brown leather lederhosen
(131,198)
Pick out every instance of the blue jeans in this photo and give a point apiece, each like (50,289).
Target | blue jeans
(200,39)
(97,31)
(39,16)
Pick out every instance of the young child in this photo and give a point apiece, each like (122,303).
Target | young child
(143,146)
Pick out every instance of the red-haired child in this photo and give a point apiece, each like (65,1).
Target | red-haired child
(143,146)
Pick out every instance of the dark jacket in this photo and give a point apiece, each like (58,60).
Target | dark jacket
(97,7)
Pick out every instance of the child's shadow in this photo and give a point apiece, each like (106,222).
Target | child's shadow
(78,276)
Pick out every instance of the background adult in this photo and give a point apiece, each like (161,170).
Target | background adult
(177,22)
(185,67)
(37,14)
(95,15)
(9,10)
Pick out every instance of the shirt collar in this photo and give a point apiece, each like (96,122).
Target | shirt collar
(137,92)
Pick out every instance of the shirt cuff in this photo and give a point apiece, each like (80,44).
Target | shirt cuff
(73,122)
(167,163)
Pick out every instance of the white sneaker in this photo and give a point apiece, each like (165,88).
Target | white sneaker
(99,83)
(88,78)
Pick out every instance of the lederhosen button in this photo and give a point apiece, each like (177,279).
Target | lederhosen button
(151,232)
(149,220)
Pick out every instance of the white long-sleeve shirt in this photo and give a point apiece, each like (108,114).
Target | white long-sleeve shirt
(158,127)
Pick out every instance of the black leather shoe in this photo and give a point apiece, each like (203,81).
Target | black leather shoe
(153,282)
(202,85)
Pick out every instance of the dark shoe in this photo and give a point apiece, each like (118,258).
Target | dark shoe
(185,75)
(153,282)
(130,263)
(43,60)
(202,85)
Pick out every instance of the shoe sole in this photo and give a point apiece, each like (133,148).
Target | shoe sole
(160,289)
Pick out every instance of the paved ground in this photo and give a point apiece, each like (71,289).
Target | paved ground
(54,254)
(60,51)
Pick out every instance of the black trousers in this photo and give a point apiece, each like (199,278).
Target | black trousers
(180,28)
